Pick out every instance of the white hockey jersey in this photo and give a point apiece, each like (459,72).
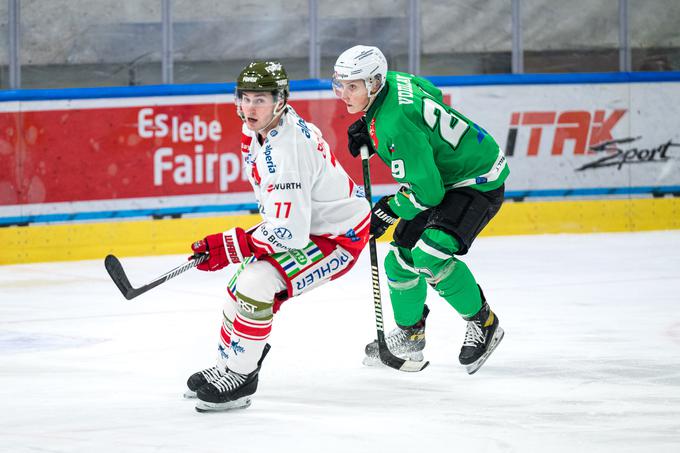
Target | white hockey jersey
(301,189)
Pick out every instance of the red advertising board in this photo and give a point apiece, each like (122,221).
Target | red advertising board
(120,152)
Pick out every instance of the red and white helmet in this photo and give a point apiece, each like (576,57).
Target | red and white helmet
(365,63)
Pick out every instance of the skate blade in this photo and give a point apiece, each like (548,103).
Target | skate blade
(477,364)
(189,394)
(376,362)
(205,406)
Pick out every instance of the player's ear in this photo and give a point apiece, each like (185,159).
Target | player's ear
(377,83)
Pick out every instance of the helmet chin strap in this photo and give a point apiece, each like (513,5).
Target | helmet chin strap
(371,97)
(368,104)
(275,114)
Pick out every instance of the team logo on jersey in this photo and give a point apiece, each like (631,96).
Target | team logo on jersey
(374,138)
(283,233)
(327,268)
(246,306)
(284,186)
(246,140)
(237,348)
(299,256)
(268,159)
(274,133)
(304,128)
(352,235)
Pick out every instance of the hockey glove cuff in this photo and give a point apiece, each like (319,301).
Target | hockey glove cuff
(225,248)
(382,217)
(357,136)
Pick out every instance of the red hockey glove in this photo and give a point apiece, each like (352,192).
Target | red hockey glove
(223,249)
(382,217)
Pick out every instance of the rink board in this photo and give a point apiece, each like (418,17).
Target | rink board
(147,170)
(77,241)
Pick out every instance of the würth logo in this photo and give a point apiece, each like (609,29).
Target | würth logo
(284,186)
(573,129)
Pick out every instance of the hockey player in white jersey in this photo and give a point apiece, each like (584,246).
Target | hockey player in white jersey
(315,222)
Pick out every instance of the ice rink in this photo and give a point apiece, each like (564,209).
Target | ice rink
(590,361)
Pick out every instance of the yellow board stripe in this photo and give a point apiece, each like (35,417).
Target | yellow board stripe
(79,241)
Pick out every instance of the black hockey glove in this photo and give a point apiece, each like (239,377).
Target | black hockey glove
(357,136)
(382,217)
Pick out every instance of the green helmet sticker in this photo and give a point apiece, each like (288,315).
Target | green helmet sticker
(263,76)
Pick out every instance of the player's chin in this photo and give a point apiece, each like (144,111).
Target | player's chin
(352,109)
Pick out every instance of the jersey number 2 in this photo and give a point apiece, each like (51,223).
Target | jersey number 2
(451,127)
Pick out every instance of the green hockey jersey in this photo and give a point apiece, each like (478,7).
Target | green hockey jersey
(429,146)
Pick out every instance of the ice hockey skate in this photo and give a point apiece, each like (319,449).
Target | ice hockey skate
(403,342)
(482,336)
(200,378)
(230,391)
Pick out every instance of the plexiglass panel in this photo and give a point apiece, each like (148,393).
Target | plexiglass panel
(4,46)
(465,37)
(78,43)
(381,23)
(215,39)
(570,36)
(654,35)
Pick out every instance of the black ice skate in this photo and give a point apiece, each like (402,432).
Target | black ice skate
(404,342)
(481,338)
(231,391)
(200,378)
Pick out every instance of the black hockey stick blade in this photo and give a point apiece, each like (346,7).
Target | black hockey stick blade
(115,270)
(395,362)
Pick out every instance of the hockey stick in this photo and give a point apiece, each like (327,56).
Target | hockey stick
(115,270)
(386,356)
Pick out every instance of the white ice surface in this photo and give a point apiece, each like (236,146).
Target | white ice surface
(590,361)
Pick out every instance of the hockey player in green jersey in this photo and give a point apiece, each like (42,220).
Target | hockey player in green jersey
(451,174)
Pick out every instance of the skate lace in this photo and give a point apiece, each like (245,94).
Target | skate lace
(229,381)
(395,338)
(212,374)
(473,334)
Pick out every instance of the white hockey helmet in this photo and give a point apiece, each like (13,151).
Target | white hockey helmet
(365,63)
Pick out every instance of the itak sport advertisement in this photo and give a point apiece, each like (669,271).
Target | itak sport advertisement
(588,139)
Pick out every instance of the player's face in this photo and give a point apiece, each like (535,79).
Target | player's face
(257,108)
(353,93)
